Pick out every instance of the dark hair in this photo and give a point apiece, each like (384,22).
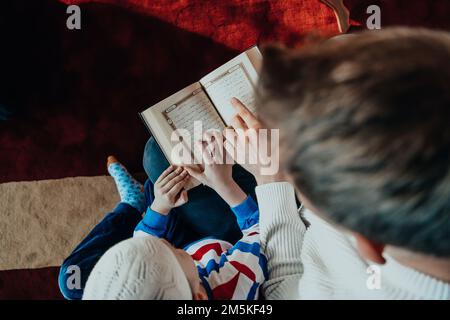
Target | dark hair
(367,124)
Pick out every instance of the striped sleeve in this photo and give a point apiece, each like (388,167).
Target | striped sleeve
(246,268)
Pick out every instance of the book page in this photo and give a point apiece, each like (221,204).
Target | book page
(181,111)
(194,108)
(237,78)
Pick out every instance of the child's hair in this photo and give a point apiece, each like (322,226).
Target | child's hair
(137,269)
(367,125)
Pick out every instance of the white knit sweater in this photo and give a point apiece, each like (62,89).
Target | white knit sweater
(321,262)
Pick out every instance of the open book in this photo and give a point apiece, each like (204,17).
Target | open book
(207,101)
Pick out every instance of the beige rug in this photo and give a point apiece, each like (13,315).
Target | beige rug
(42,221)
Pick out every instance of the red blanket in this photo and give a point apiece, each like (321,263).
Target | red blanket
(238,24)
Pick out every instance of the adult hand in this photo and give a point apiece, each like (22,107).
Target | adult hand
(253,146)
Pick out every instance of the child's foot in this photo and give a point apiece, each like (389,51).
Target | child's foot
(130,190)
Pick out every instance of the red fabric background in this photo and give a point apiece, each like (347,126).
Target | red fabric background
(237,24)
(77,93)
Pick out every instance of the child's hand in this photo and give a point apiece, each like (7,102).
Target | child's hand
(169,191)
(217,173)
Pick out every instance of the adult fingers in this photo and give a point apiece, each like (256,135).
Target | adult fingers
(238,123)
(246,115)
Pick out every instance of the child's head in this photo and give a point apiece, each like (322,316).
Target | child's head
(144,268)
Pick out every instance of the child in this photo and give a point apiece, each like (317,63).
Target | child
(149,267)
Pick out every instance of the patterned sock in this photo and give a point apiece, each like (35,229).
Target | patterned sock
(130,190)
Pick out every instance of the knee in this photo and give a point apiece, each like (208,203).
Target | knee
(149,149)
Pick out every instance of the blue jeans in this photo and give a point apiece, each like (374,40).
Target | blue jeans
(205,214)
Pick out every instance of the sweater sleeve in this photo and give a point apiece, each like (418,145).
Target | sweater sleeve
(153,223)
(246,213)
(282,233)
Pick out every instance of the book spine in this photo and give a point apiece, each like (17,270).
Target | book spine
(153,135)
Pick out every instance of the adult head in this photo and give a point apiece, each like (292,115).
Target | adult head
(366,122)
